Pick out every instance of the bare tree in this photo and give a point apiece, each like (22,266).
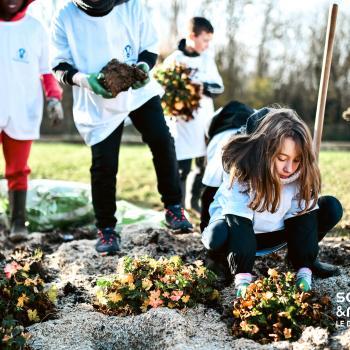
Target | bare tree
(263,50)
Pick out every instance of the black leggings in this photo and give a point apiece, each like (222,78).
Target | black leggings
(149,121)
(195,181)
(236,239)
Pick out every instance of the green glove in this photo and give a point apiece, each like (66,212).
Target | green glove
(96,87)
(92,82)
(144,67)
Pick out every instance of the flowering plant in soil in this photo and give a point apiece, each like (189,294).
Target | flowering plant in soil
(274,309)
(182,95)
(23,297)
(144,283)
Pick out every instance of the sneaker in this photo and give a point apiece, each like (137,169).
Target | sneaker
(175,219)
(303,285)
(242,290)
(108,242)
(217,263)
(324,270)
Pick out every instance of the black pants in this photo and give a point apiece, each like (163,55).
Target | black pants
(149,121)
(237,240)
(194,182)
(206,199)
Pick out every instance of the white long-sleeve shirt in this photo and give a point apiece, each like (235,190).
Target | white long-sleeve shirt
(89,43)
(23,59)
(234,201)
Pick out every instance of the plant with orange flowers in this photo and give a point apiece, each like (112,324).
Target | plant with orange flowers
(182,96)
(144,283)
(24,298)
(273,309)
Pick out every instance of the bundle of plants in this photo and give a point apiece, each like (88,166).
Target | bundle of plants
(182,96)
(117,76)
(24,299)
(273,309)
(144,283)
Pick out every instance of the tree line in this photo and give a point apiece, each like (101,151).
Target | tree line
(283,66)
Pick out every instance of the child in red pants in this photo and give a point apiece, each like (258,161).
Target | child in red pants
(24,69)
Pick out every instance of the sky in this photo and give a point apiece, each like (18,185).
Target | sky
(307,11)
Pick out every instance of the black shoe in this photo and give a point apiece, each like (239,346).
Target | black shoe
(217,262)
(18,231)
(176,220)
(324,270)
(108,242)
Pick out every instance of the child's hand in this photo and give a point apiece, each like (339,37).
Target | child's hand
(55,111)
(144,67)
(92,83)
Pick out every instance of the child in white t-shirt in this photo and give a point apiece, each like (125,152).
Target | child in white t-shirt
(24,65)
(86,35)
(190,136)
(269,198)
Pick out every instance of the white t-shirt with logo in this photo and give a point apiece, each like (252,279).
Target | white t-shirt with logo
(23,58)
(89,43)
(235,200)
(190,136)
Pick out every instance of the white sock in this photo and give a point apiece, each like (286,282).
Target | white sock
(306,273)
(241,278)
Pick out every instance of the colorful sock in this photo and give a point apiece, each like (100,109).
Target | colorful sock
(304,276)
(242,281)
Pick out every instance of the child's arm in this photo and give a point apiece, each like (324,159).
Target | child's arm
(63,66)
(148,57)
(51,87)
(53,93)
(214,85)
(52,90)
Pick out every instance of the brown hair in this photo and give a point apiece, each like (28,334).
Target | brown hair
(197,25)
(250,159)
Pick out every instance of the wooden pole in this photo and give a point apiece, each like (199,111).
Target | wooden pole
(326,67)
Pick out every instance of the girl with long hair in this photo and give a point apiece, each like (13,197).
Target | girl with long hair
(269,198)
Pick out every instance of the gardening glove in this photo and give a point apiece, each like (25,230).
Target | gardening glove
(92,83)
(144,67)
(55,111)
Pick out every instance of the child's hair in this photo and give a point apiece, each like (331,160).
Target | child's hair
(250,159)
(197,25)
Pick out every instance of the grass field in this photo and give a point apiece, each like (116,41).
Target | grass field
(136,177)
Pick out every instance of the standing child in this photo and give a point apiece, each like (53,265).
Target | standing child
(86,35)
(24,65)
(190,136)
(270,198)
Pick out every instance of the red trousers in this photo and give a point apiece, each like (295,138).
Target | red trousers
(16,153)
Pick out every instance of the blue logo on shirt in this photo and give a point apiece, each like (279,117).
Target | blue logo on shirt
(128,51)
(21,55)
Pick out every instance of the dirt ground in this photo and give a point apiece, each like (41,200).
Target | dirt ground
(74,267)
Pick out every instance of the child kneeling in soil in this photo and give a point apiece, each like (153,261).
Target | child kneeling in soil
(269,198)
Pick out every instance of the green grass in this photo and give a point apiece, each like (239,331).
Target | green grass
(136,181)
(136,176)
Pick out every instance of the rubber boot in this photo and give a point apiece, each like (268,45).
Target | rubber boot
(18,229)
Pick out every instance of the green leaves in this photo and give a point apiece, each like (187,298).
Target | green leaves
(273,309)
(23,297)
(144,283)
(182,95)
